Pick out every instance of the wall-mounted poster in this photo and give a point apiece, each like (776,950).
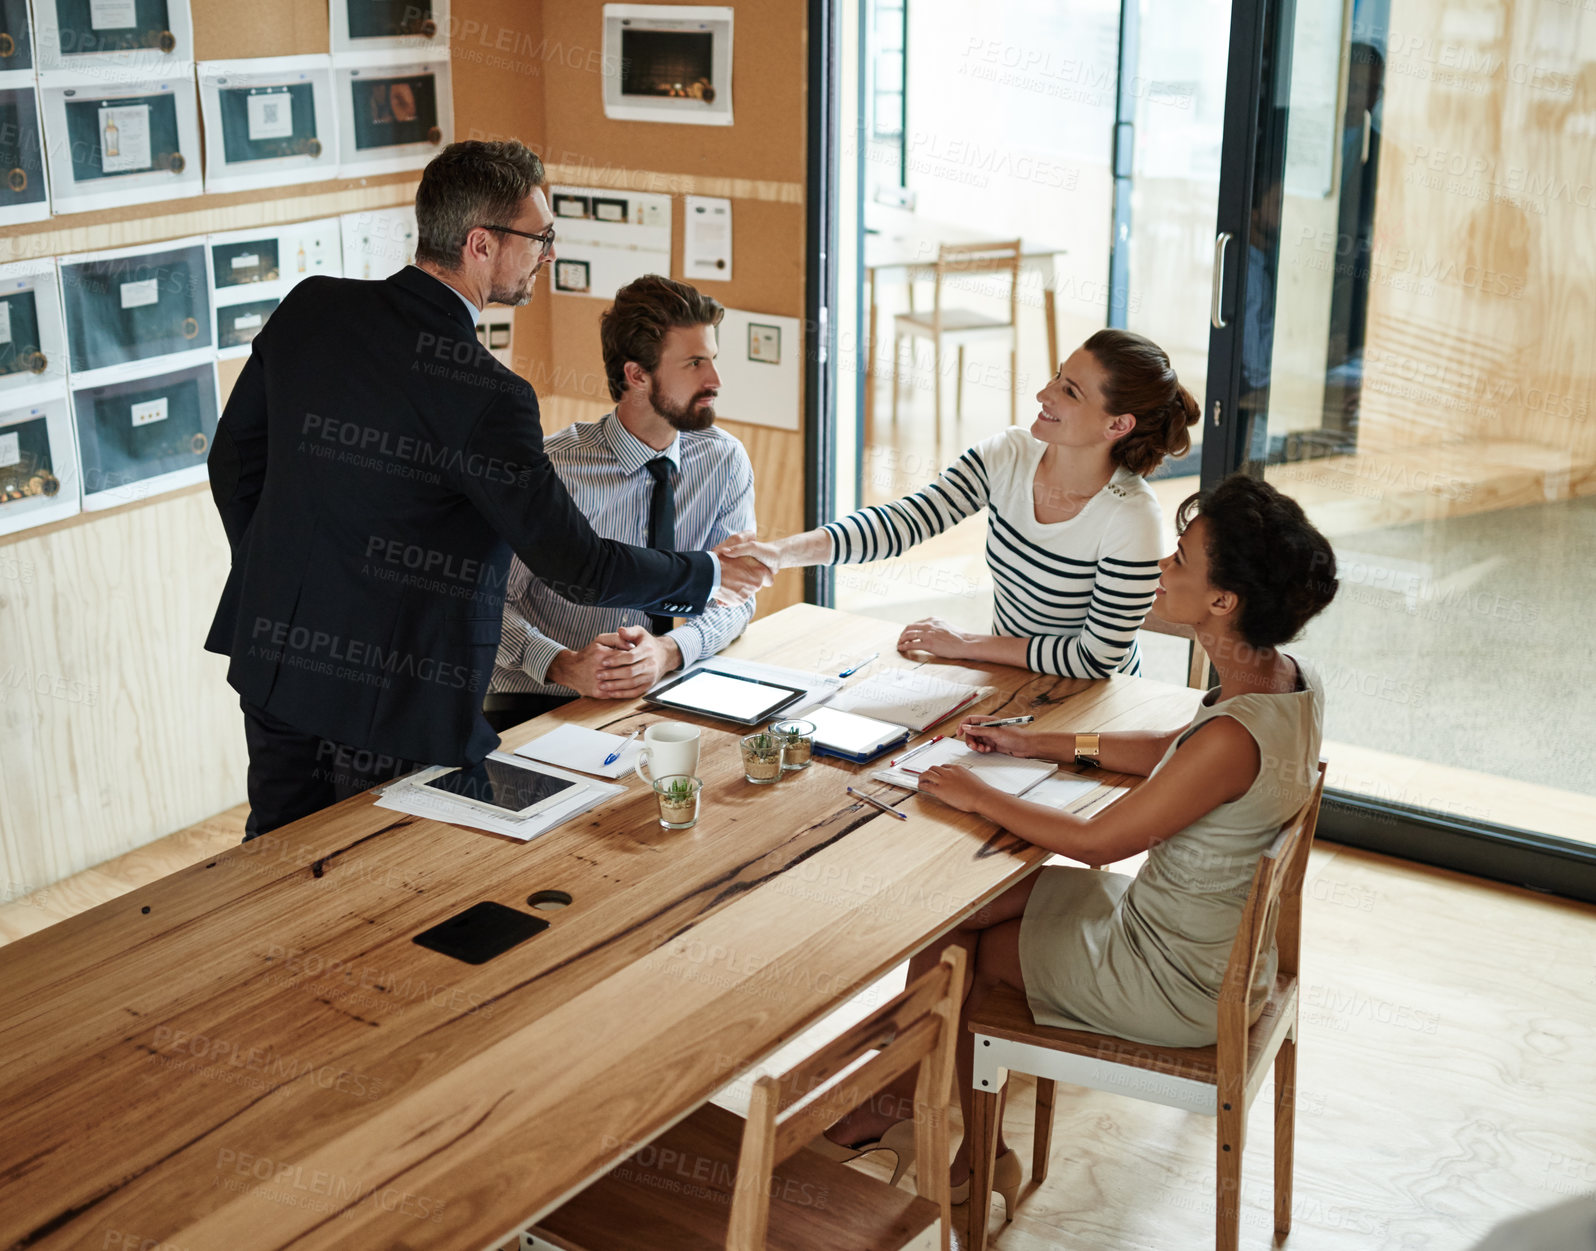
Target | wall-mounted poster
(32,338)
(24,196)
(135,304)
(378,242)
(251,271)
(618,236)
(133,39)
(268,122)
(392,117)
(38,463)
(144,434)
(759,368)
(131,143)
(16,37)
(668,63)
(419,28)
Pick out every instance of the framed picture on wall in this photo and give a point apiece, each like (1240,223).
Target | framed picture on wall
(133,305)
(251,271)
(392,117)
(16,37)
(668,63)
(38,463)
(378,242)
(136,39)
(416,28)
(132,144)
(268,122)
(146,433)
(24,194)
(32,336)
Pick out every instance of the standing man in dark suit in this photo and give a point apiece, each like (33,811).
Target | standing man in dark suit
(375,468)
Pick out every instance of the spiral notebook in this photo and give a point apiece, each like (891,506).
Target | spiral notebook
(907,697)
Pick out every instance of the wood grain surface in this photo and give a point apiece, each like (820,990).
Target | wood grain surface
(252,1052)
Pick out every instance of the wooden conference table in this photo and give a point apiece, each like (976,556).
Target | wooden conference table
(251,1053)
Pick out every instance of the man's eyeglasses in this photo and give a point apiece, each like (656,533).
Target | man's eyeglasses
(546,238)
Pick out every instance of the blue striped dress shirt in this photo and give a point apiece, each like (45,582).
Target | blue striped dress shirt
(603,467)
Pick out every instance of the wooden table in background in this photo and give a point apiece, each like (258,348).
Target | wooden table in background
(903,245)
(252,1053)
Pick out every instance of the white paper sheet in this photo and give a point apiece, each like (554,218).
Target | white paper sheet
(1010,774)
(577,747)
(140,292)
(271,115)
(910,697)
(125,138)
(5,321)
(707,238)
(112,14)
(10,450)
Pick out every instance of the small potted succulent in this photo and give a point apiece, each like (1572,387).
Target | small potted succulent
(762,757)
(678,801)
(797,743)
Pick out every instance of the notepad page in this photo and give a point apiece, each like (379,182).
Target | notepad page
(1009,774)
(908,697)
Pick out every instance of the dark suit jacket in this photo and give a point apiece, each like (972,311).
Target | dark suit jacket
(374,468)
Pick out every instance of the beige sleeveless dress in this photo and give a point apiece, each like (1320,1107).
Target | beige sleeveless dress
(1143,957)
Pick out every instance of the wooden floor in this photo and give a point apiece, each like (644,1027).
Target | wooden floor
(1445,1077)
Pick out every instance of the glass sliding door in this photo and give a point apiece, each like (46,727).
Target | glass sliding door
(1411,360)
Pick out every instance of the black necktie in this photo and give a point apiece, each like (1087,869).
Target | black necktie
(661,525)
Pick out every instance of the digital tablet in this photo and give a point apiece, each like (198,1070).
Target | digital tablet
(512,790)
(725,696)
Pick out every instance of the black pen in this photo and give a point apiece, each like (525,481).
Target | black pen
(902,816)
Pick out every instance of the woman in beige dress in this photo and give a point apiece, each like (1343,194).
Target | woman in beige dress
(1143,957)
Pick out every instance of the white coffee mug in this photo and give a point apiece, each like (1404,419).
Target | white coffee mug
(671,749)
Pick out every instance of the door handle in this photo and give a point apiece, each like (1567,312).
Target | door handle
(1221,242)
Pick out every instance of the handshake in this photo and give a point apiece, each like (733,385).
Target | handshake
(746,567)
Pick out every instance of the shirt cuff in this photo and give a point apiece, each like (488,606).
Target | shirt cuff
(541,652)
(689,642)
(715,561)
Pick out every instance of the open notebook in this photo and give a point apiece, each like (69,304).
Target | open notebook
(907,697)
(1010,774)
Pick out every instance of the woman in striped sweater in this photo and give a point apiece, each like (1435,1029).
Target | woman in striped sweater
(1073,537)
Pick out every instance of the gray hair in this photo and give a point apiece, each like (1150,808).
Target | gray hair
(468,184)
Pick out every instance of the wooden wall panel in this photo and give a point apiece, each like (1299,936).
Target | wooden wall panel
(116,727)
(1481,312)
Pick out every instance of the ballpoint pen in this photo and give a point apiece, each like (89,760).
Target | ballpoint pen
(902,816)
(616,754)
(893,764)
(992,725)
(853,669)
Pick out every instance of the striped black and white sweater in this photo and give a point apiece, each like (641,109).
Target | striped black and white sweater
(1078,589)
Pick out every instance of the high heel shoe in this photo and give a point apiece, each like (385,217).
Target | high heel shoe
(1006,1178)
(899,1139)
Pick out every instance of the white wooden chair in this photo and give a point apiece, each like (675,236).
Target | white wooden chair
(961,324)
(715,1181)
(1219,1081)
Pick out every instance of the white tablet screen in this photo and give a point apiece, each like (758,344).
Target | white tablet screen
(719,695)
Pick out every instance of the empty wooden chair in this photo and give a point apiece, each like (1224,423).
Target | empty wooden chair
(961,324)
(715,1181)
(1218,1081)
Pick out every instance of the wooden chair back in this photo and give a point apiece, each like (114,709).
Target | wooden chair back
(918,1028)
(1274,907)
(959,259)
